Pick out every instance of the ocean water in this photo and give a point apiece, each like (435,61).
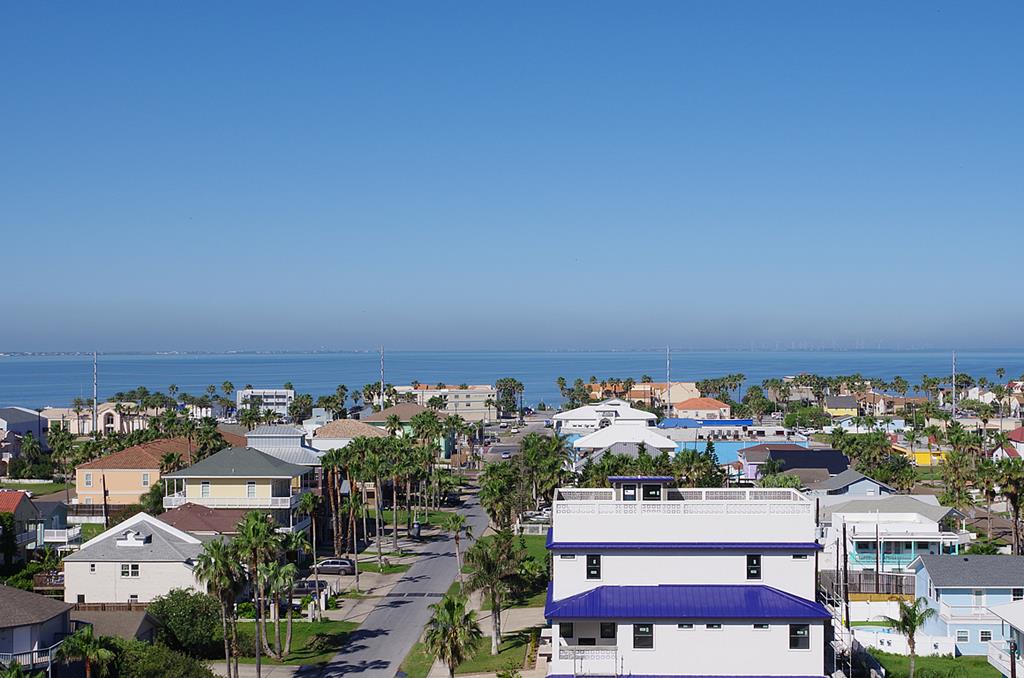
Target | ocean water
(39,381)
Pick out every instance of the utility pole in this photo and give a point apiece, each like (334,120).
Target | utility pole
(954,387)
(846,582)
(95,410)
(382,382)
(668,381)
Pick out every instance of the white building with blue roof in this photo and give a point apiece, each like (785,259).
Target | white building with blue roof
(652,580)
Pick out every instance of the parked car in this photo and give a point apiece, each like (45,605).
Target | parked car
(514,430)
(336,566)
(308,587)
(506,455)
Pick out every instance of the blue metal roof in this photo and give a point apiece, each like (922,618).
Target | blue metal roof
(685,601)
(640,479)
(671,422)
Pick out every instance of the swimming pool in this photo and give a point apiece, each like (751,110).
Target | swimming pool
(725,449)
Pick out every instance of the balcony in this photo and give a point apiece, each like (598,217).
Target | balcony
(966,612)
(70,535)
(179,499)
(590,660)
(23,538)
(999,657)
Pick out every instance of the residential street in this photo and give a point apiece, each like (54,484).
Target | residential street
(378,647)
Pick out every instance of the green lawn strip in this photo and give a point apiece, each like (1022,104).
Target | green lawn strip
(37,489)
(897,666)
(512,651)
(869,623)
(424,517)
(418,662)
(393,568)
(90,530)
(312,642)
(535,547)
(928,472)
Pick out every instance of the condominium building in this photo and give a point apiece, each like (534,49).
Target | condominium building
(472,402)
(652,580)
(275,399)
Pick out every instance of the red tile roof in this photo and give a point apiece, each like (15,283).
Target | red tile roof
(145,456)
(194,518)
(1016,435)
(700,404)
(9,501)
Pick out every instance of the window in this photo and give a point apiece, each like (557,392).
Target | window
(799,556)
(799,636)
(92,568)
(963,636)
(652,492)
(922,546)
(643,636)
(88,480)
(565,630)
(133,598)
(81,597)
(686,626)
(608,629)
(130,570)
(586,641)
(629,493)
(204,488)
(88,501)
(713,627)
(753,566)
(984,636)
(567,556)
(761,627)
(145,480)
(1018,594)
(250,489)
(593,567)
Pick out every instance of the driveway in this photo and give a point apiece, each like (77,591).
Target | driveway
(377,648)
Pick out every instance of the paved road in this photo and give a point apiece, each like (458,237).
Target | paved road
(380,644)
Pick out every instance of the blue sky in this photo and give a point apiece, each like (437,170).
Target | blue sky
(511,175)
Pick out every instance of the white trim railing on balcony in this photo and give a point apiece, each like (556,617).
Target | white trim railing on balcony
(65,536)
(302,523)
(179,499)
(965,611)
(672,494)
(23,538)
(999,657)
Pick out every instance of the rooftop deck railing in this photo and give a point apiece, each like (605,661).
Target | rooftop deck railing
(179,499)
(673,494)
(64,536)
(965,612)
(1000,658)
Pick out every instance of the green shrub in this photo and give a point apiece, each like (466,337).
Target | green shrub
(246,610)
(136,659)
(190,622)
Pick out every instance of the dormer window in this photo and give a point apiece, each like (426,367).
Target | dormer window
(133,538)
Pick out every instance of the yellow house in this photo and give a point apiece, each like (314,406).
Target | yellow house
(922,456)
(242,478)
(841,406)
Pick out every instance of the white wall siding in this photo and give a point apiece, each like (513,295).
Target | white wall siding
(106,585)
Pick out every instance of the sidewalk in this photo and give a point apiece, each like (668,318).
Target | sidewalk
(249,670)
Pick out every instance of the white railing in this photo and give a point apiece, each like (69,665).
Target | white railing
(999,657)
(23,538)
(589,660)
(703,508)
(965,611)
(535,529)
(179,499)
(63,536)
(586,494)
(298,526)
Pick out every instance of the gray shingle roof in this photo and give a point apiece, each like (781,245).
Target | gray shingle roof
(975,570)
(16,415)
(841,401)
(894,504)
(844,479)
(240,462)
(23,608)
(278,430)
(163,544)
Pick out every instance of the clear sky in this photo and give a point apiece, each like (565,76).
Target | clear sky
(196,175)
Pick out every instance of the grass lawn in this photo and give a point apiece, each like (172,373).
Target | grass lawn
(418,662)
(90,530)
(312,642)
(535,547)
(868,623)
(896,666)
(393,568)
(37,489)
(928,472)
(511,651)
(428,517)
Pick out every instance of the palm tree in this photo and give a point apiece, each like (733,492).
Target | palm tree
(297,542)
(492,569)
(83,646)
(218,568)
(257,544)
(14,670)
(1011,486)
(452,631)
(170,462)
(912,617)
(393,424)
(455,524)
(309,504)
(187,428)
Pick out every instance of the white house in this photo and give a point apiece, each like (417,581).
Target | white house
(287,443)
(593,417)
(472,402)
(1002,652)
(621,439)
(340,432)
(656,581)
(132,562)
(276,399)
(701,408)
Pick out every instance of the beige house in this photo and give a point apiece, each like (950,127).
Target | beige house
(472,402)
(243,478)
(132,562)
(651,393)
(111,418)
(701,408)
(125,475)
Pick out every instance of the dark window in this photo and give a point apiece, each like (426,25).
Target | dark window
(1018,594)
(799,637)
(565,629)
(685,626)
(608,629)
(761,627)
(593,567)
(922,546)
(643,636)
(652,492)
(81,597)
(629,493)
(799,556)
(586,641)
(569,556)
(713,626)
(753,566)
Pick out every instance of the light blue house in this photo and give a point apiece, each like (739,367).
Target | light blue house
(849,483)
(962,590)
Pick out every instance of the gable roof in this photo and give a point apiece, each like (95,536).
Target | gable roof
(756,454)
(841,402)
(201,519)
(130,625)
(166,543)
(23,608)
(610,435)
(405,412)
(280,430)
(974,570)
(684,601)
(10,500)
(1016,435)
(348,428)
(700,404)
(897,503)
(615,407)
(833,461)
(146,456)
(845,479)
(240,462)
(20,415)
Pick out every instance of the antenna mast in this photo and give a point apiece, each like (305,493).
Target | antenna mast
(954,386)
(382,377)
(668,381)
(95,411)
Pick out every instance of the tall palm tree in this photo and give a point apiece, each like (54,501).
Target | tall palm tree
(455,524)
(187,428)
(219,570)
(452,631)
(170,461)
(297,542)
(1011,487)
(309,504)
(912,617)
(83,646)
(393,424)
(492,568)
(14,670)
(257,544)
